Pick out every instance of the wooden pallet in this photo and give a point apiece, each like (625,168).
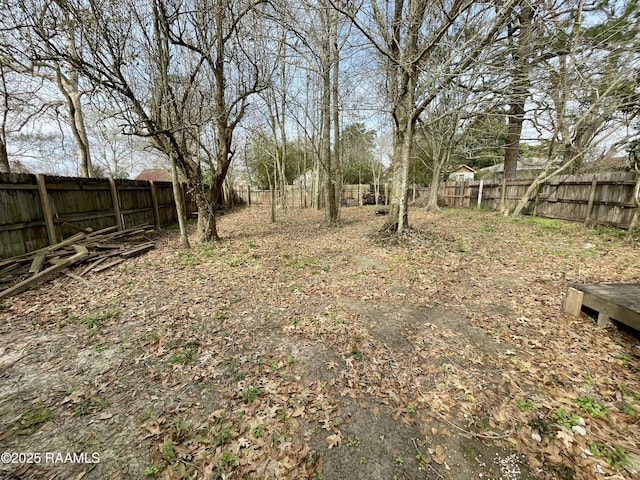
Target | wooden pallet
(619,301)
(102,249)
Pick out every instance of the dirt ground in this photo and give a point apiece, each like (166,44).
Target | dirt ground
(292,350)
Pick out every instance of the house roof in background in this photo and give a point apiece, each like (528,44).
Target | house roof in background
(461,168)
(529,163)
(154,175)
(609,164)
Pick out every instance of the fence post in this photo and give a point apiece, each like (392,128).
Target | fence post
(249,195)
(592,198)
(480,193)
(536,200)
(503,196)
(156,209)
(116,204)
(46,209)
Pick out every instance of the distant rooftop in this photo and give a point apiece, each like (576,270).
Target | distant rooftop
(154,175)
(530,163)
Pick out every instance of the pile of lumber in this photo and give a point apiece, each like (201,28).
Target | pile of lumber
(96,250)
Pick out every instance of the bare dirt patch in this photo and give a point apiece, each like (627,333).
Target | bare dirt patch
(291,350)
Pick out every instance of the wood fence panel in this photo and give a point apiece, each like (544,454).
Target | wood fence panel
(136,203)
(22,224)
(83,202)
(260,197)
(565,197)
(298,197)
(355,192)
(614,204)
(492,195)
(569,198)
(166,203)
(75,203)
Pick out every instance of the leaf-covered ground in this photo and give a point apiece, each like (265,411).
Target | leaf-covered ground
(292,350)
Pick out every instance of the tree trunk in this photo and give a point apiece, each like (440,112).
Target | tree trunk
(512,149)
(331,211)
(272,191)
(403,210)
(432,202)
(402,143)
(5,167)
(283,134)
(69,86)
(634,226)
(207,227)
(82,138)
(520,86)
(273,203)
(336,116)
(316,183)
(177,196)
(210,196)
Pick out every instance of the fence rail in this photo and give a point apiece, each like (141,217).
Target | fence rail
(604,198)
(40,210)
(297,196)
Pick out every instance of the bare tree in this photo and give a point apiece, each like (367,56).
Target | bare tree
(589,88)
(405,34)
(318,37)
(4,124)
(68,82)
(215,34)
(20,103)
(275,108)
(519,51)
(26,23)
(438,137)
(9,98)
(213,72)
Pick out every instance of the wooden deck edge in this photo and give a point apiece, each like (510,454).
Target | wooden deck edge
(573,301)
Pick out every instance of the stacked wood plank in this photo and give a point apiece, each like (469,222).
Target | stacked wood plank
(96,251)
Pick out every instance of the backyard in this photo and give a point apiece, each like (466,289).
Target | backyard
(292,350)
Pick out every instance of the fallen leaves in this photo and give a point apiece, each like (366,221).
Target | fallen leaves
(334,440)
(438,455)
(290,330)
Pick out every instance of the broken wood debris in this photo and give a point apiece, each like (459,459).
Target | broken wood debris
(99,250)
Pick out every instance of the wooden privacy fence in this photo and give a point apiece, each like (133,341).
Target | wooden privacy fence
(603,198)
(297,196)
(41,210)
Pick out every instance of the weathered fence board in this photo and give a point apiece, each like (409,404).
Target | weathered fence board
(297,196)
(37,211)
(603,198)
(166,205)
